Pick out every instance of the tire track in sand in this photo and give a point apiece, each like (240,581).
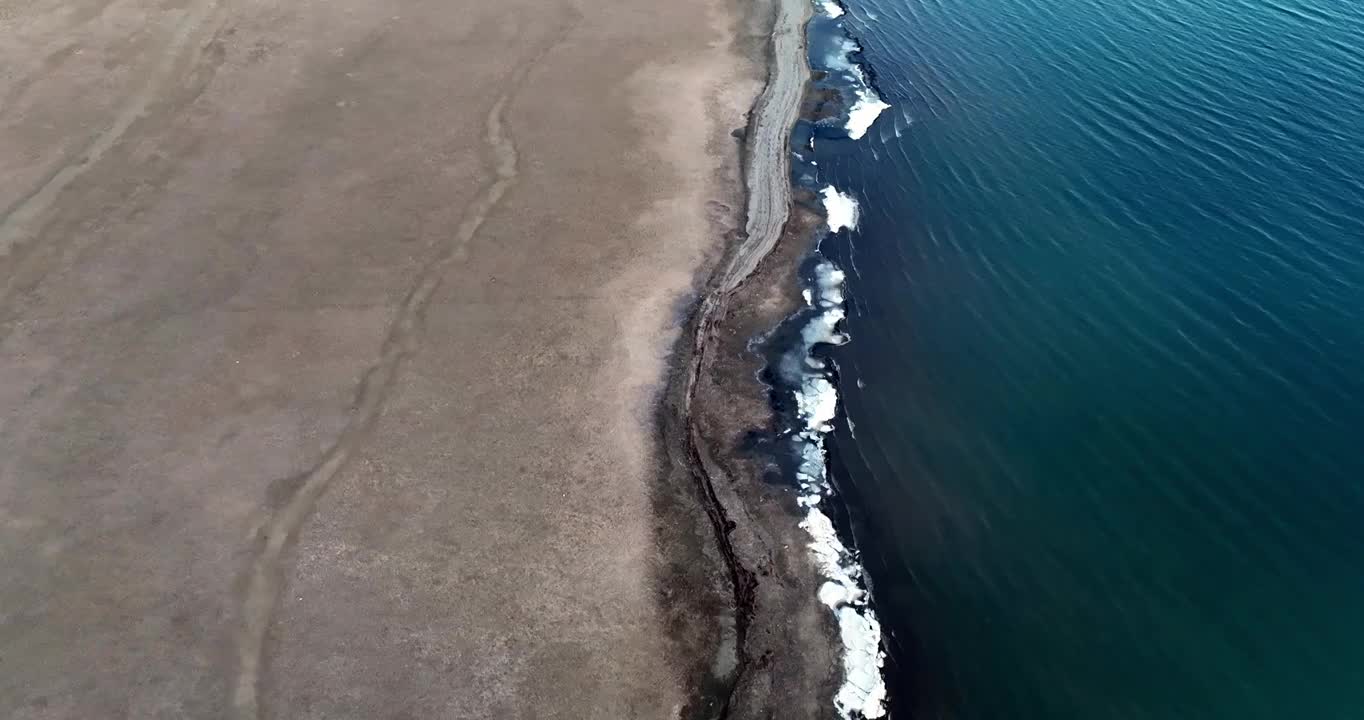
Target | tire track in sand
(265,573)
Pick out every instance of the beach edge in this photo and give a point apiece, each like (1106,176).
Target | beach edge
(775,648)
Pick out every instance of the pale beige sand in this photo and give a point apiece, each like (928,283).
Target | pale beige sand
(330,337)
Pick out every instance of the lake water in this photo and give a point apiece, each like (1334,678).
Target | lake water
(1102,413)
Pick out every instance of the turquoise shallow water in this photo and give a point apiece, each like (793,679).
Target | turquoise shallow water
(1106,377)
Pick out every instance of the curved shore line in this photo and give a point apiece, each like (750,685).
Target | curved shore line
(767,166)
(767,197)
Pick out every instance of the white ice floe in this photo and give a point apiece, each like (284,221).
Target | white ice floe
(817,402)
(831,558)
(864,112)
(863,691)
(831,8)
(840,209)
(868,105)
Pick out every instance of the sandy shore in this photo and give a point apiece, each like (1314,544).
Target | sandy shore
(789,655)
(332,336)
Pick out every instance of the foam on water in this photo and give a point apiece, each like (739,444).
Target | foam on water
(831,8)
(841,58)
(863,692)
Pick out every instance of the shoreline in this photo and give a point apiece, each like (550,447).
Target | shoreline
(781,650)
(329,367)
(762,494)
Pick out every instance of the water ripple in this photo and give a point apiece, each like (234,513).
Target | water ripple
(1107,303)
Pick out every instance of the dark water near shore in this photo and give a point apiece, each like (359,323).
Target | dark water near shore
(1106,377)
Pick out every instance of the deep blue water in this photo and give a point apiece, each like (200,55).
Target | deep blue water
(1106,376)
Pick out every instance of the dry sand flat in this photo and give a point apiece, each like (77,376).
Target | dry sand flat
(330,336)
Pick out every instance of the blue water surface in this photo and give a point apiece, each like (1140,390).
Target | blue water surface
(1106,377)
